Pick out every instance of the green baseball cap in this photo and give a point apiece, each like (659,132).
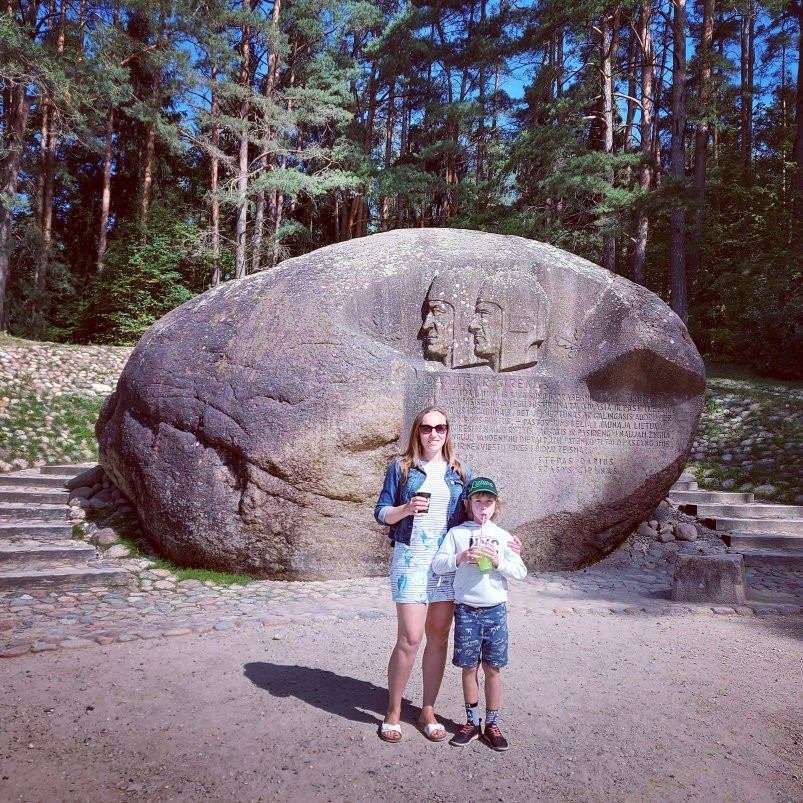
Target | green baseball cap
(481,485)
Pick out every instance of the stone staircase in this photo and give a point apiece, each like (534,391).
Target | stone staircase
(37,550)
(769,536)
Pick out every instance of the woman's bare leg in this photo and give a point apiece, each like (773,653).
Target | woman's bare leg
(438,624)
(410,618)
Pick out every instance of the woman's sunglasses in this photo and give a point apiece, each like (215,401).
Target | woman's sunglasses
(426,429)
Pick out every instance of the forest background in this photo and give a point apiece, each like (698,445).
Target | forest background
(154,148)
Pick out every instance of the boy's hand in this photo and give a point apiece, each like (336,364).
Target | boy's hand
(489,552)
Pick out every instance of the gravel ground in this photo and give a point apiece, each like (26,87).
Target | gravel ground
(597,707)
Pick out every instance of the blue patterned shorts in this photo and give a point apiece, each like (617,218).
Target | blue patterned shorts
(480,633)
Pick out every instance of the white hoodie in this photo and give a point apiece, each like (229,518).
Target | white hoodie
(471,586)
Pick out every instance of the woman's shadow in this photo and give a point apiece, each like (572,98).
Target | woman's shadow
(344,696)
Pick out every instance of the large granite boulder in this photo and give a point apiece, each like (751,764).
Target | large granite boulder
(252,426)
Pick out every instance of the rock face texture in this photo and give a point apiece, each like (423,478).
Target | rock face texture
(252,426)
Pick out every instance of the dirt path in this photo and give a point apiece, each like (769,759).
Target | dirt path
(597,708)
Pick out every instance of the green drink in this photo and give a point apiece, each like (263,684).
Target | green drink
(484,563)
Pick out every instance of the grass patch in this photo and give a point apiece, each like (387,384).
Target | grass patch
(738,374)
(218,578)
(56,429)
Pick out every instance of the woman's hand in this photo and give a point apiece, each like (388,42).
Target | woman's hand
(466,556)
(515,544)
(417,504)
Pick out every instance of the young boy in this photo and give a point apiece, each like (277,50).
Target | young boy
(478,551)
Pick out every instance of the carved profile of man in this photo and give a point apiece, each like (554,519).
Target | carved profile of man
(447,309)
(510,320)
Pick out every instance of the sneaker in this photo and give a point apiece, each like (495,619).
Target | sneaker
(467,734)
(493,736)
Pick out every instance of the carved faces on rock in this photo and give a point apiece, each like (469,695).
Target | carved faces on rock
(505,319)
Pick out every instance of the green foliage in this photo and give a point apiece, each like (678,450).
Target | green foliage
(146,274)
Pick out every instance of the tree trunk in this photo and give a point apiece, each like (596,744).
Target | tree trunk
(747,62)
(242,166)
(106,193)
(264,161)
(645,169)
(658,82)
(701,141)
(677,250)
(49,168)
(390,124)
(214,170)
(150,148)
(481,103)
(797,151)
(606,46)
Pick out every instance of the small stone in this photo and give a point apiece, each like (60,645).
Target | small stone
(105,537)
(75,643)
(81,493)
(765,490)
(164,585)
(743,610)
(161,573)
(117,551)
(647,530)
(665,537)
(42,646)
(15,652)
(177,631)
(224,625)
(723,611)
(685,532)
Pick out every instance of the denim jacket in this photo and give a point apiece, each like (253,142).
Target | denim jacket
(393,495)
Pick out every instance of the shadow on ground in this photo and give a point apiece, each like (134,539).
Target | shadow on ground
(344,696)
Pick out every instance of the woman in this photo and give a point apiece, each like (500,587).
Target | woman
(420,500)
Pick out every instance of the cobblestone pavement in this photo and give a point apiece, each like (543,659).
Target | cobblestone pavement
(160,605)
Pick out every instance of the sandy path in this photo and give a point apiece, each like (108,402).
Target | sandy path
(597,708)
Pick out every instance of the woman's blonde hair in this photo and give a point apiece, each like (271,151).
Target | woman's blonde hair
(412,455)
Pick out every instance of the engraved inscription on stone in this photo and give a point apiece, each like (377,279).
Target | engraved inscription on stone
(558,431)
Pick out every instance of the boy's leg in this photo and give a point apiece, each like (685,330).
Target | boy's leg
(494,657)
(467,631)
(471,694)
(493,687)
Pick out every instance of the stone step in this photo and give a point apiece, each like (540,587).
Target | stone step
(756,540)
(756,525)
(42,496)
(685,477)
(26,512)
(791,561)
(747,511)
(66,471)
(32,480)
(68,578)
(61,551)
(44,532)
(711,497)
(684,485)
